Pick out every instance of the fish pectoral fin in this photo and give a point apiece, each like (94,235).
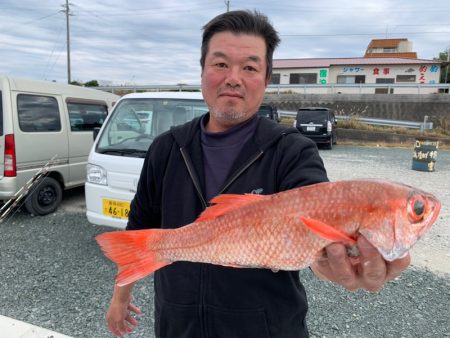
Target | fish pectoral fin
(327,231)
(227,202)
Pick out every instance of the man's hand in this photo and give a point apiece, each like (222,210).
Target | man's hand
(370,273)
(119,317)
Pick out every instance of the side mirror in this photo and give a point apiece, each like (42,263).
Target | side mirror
(95,132)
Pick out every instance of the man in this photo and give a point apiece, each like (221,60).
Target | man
(231,150)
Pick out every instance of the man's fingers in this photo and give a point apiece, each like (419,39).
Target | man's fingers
(131,320)
(341,266)
(395,268)
(113,329)
(134,308)
(373,266)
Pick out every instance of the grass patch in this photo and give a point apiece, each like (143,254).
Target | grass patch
(353,124)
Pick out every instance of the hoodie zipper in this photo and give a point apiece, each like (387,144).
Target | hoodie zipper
(190,168)
(203,270)
(194,178)
(241,170)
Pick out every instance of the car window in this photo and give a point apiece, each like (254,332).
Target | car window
(264,110)
(136,122)
(38,113)
(86,116)
(314,116)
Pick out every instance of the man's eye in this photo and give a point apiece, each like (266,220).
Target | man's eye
(221,65)
(250,68)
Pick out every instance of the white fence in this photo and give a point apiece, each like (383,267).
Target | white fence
(363,88)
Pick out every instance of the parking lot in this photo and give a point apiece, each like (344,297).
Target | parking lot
(53,274)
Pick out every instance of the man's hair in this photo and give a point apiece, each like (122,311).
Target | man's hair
(242,22)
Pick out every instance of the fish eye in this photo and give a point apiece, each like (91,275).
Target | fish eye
(419,207)
(416,208)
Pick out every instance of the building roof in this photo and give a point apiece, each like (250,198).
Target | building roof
(377,44)
(328,62)
(409,55)
(385,43)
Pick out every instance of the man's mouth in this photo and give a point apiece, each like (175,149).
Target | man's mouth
(231,94)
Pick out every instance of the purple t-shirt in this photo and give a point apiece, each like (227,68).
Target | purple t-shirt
(220,151)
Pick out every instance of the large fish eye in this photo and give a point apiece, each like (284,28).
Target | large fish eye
(416,208)
(419,207)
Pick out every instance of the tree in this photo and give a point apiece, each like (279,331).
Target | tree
(92,83)
(76,83)
(444,56)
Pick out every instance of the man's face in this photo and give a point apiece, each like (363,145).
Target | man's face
(233,78)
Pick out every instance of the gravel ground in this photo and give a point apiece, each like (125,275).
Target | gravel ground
(52,273)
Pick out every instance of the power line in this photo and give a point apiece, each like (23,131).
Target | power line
(155,10)
(47,66)
(21,24)
(358,34)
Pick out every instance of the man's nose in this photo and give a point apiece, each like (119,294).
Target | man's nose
(233,78)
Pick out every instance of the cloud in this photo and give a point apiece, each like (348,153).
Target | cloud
(158,42)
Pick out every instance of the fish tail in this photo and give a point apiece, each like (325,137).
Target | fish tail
(132,252)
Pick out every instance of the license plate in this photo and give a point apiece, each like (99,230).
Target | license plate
(310,128)
(116,209)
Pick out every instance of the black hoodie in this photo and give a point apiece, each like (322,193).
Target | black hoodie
(196,300)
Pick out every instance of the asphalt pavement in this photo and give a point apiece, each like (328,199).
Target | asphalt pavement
(52,273)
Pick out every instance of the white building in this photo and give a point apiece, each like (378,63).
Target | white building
(376,75)
(388,66)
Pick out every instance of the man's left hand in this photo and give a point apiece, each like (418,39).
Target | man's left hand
(370,273)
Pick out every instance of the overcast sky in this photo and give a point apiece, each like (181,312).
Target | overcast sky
(158,42)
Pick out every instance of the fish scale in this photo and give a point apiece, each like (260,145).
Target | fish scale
(283,231)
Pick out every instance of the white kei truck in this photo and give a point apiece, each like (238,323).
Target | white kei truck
(118,153)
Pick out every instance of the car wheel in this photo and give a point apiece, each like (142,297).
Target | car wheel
(45,198)
(329,145)
(335,139)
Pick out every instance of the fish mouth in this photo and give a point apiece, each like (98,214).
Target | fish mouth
(397,252)
(435,207)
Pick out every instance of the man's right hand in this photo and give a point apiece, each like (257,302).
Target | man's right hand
(119,316)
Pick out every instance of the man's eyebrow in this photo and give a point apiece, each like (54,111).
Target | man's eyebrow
(219,54)
(253,58)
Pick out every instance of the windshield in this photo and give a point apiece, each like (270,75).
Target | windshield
(136,122)
(264,110)
(314,116)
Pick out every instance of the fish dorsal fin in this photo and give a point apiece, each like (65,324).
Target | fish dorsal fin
(228,202)
(327,231)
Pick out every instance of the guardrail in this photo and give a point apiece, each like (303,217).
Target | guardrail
(390,123)
(425,125)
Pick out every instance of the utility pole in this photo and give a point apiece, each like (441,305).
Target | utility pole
(446,68)
(227,2)
(67,12)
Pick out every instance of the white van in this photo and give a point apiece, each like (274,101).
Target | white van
(39,120)
(116,159)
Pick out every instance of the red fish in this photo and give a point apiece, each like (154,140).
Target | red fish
(283,231)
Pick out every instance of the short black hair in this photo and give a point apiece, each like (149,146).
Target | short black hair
(242,22)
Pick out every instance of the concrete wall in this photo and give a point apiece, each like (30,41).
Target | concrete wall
(395,107)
